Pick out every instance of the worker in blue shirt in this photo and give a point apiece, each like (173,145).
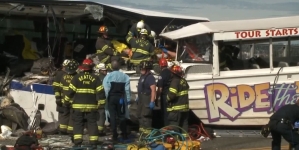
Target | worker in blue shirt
(146,96)
(117,90)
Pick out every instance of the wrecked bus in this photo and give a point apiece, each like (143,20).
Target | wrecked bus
(249,68)
(39,34)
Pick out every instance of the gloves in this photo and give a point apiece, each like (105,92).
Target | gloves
(58,102)
(161,46)
(121,101)
(152,105)
(164,50)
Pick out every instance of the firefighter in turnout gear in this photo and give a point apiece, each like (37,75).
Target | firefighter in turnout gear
(164,80)
(105,50)
(146,97)
(101,71)
(142,49)
(65,121)
(85,91)
(137,27)
(178,99)
(57,87)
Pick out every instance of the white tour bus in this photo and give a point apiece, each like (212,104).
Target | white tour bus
(259,76)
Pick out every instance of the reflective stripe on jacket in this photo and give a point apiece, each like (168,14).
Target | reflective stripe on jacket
(177,97)
(85,89)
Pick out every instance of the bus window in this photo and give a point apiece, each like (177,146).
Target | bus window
(197,49)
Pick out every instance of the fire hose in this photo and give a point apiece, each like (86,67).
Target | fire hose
(196,131)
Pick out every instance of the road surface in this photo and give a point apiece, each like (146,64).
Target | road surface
(222,143)
(240,143)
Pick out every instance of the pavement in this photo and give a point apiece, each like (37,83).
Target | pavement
(221,143)
(241,143)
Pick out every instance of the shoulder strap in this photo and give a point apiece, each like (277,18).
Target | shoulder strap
(143,84)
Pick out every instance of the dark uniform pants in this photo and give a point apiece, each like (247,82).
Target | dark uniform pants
(101,119)
(164,109)
(78,120)
(144,113)
(65,120)
(179,119)
(285,130)
(114,108)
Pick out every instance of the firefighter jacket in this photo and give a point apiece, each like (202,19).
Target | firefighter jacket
(85,90)
(102,99)
(142,50)
(133,32)
(177,97)
(56,84)
(65,82)
(105,50)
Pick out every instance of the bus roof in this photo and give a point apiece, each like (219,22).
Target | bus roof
(232,26)
(133,10)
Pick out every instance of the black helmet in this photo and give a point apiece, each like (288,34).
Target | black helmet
(71,67)
(146,65)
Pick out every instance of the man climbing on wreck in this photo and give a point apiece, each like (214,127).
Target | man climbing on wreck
(136,29)
(105,50)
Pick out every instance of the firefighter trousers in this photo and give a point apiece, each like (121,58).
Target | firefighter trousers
(78,120)
(101,120)
(144,113)
(65,121)
(179,119)
(164,110)
(115,111)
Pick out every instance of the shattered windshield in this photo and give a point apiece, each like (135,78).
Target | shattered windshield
(195,49)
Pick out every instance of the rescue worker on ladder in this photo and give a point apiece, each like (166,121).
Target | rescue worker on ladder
(101,71)
(105,50)
(178,99)
(164,80)
(65,120)
(142,49)
(58,90)
(146,96)
(117,90)
(136,29)
(84,89)
(283,123)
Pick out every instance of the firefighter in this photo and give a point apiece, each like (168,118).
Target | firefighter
(178,100)
(146,96)
(163,87)
(101,71)
(117,90)
(65,122)
(85,91)
(137,27)
(58,90)
(142,49)
(282,123)
(105,50)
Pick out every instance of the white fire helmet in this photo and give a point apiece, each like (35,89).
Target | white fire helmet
(66,62)
(143,31)
(140,25)
(101,66)
(153,33)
